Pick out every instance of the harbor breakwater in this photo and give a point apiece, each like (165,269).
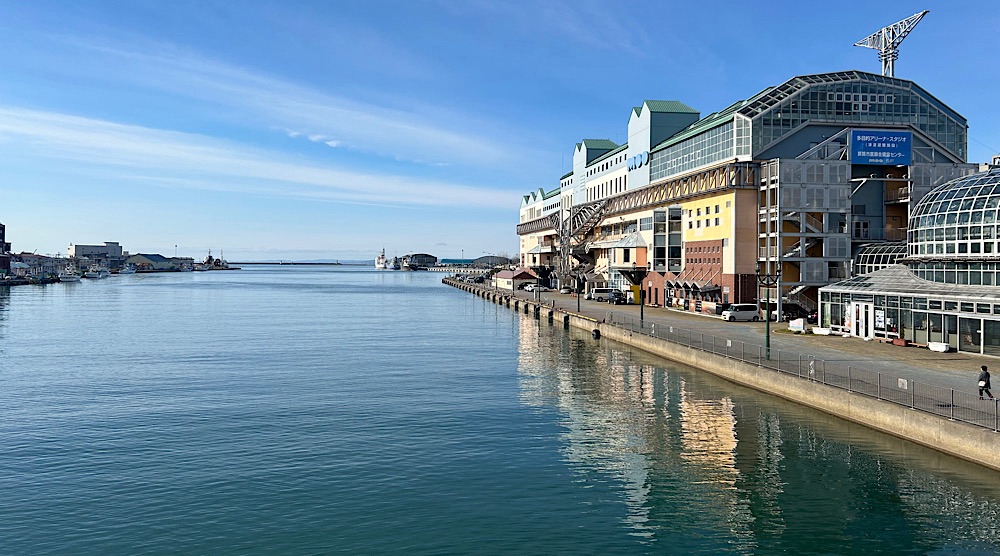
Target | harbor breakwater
(963,440)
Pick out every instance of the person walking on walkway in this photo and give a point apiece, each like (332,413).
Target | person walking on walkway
(984,383)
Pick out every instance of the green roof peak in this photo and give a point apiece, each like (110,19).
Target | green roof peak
(669,106)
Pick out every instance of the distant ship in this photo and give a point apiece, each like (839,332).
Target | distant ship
(393,264)
(380,261)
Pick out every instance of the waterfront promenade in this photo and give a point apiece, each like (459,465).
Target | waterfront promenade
(918,395)
(949,370)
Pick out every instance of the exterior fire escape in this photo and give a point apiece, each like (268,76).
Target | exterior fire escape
(575,260)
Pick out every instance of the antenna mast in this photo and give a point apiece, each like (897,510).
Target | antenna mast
(886,40)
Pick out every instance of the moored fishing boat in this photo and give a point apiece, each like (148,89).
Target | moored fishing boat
(69,274)
(381,262)
(96,272)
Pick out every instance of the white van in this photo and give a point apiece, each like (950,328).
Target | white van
(741,311)
(599,294)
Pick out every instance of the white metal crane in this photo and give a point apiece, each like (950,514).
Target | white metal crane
(886,40)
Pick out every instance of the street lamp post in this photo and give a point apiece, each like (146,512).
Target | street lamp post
(642,291)
(768,280)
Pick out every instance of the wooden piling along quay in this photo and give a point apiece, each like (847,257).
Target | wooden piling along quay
(976,444)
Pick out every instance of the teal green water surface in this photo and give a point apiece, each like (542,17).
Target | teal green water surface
(321,410)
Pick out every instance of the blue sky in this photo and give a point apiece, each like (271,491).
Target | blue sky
(332,129)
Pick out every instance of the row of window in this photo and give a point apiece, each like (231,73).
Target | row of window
(971,333)
(956,248)
(860,97)
(712,146)
(908,302)
(708,210)
(692,224)
(972,274)
(607,188)
(606,165)
(705,249)
(619,229)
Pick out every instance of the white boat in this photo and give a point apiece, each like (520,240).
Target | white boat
(127,269)
(96,272)
(69,274)
(381,262)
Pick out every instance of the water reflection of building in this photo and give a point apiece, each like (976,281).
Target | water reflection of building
(768,477)
(709,433)
(641,425)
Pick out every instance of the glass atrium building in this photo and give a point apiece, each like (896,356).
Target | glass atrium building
(948,288)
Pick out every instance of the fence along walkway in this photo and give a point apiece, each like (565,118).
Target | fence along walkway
(945,402)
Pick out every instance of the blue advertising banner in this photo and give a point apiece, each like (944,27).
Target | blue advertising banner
(883,148)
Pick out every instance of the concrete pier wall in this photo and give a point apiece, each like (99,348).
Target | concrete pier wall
(959,439)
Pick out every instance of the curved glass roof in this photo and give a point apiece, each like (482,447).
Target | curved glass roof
(958,220)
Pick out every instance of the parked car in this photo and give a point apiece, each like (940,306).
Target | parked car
(618,297)
(530,287)
(540,288)
(565,289)
(741,311)
(599,294)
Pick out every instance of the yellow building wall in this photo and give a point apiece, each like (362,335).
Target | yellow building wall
(699,230)
(737,222)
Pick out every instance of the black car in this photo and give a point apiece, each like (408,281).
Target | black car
(618,297)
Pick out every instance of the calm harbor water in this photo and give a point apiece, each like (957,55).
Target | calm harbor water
(312,410)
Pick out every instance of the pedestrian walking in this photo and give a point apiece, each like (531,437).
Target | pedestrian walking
(984,383)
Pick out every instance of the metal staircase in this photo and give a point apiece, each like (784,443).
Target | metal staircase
(795,295)
(800,248)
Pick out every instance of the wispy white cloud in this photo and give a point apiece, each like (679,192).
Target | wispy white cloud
(432,135)
(174,159)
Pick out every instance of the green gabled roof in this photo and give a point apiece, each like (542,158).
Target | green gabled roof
(598,144)
(539,194)
(534,196)
(637,110)
(566,175)
(608,154)
(669,106)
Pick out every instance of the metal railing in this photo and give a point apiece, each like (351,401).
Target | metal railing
(938,400)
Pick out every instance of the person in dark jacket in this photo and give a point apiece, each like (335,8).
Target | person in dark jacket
(984,383)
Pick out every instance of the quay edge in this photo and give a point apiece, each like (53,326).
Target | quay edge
(962,440)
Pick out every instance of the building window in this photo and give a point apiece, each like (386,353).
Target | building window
(716,221)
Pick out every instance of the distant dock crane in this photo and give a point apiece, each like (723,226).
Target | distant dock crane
(886,40)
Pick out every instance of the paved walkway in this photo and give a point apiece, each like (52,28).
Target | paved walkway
(950,370)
